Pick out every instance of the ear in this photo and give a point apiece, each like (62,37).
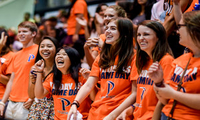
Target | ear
(34,34)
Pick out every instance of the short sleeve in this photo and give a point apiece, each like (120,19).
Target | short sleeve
(95,68)
(79,7)
(48,83)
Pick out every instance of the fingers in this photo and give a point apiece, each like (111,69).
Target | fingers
(3,38)
(1,110)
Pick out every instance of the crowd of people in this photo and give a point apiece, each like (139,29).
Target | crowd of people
(139,63)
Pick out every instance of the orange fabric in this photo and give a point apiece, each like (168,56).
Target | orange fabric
(21,65)
(5,69)
(80,7)
(191,83)
(146,99)
(115,88)
(191,8)
(67,95)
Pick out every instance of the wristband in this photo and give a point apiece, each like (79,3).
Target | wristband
(2,103)
(76,103)
(160,84)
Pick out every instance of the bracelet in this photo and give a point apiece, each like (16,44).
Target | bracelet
(2,103)
(76,103)
(39,71)
(160,84)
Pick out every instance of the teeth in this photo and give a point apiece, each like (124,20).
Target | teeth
(45,53)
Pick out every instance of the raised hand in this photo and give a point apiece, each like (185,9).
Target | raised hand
(39,65)
(85,72)
(82,22)
(155,72)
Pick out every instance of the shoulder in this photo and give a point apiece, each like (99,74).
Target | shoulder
(167,59)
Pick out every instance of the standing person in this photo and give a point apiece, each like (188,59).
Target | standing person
(5,65)
(43,108)
(187,99)
(17,87)
(112,68)
(75,32)
(152,45)
(63,83)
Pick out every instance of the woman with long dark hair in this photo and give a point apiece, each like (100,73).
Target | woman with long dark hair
(112,68)
(63,84)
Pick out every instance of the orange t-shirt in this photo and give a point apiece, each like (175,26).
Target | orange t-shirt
(62,102)
(191,8)
(80,7)
(191,83)
(146,99)
(5,69)
(115,88)
(21,65)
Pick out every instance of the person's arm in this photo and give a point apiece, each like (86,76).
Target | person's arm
(125,104)
(99,24)
(177,11)
(78,27)
(4,79)
(3,40)
(40,91)
(91,42)
(189,99)
(127,112)
(169,23)
(157,111)
(7,93)
(31,86)
(83,22)
(82,94)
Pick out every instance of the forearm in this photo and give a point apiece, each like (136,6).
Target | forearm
(125,104)
(157,111)
(31,89)
(78,27)
(4,79)
(188,99)
(85,90)
(88,56)
(87,34)
(177,12)
(8,88)
(39,91)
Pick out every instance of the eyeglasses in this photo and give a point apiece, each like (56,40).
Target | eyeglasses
(180,25)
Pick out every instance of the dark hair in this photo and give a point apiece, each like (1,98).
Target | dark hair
(121,48)
(161,47)
(6,48)
(98,9)
(27,24)
(136,9)
(192,21)
(74,68)
(55,42)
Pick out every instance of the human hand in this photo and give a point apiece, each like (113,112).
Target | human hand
(155,72)
(39,65)
(28,103)
(92,42)
(82,22)
(85,72)
(3,39)
(33,75)
(2,107)
(176,2)
(99,19)
(73,110)
(122,116)
(166,92)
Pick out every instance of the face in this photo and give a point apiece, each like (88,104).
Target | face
(142,2)
(103,8)
(185,38)
(62,60)
(109,14)
(47,49)
(25,35)
(112,33)
(146,39)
